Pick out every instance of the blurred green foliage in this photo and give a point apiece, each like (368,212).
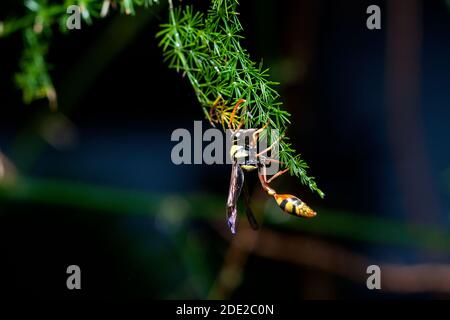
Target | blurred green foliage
(205,48)
(344,225)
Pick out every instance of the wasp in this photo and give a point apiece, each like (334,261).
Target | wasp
(247,158)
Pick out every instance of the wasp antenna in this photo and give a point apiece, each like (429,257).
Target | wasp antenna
(240,101)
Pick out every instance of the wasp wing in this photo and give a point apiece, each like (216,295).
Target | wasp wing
(248,210)
(236,183)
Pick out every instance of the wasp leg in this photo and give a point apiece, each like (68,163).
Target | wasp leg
(230,122)
(273,160)
(257,132)
(279,173)
(240,101)
(263,179)
(269,148)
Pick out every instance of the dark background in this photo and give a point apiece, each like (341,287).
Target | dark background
(96,187)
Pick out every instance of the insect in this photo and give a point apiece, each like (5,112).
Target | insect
(247,158)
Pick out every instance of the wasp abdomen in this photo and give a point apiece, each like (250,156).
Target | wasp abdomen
(293,205)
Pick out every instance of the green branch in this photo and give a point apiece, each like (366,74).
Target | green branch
(37,27)
(34,78)
(207,49)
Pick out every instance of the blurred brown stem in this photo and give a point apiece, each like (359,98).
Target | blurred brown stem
(333,259)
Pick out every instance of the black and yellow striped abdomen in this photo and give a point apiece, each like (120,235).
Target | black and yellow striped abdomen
(293,205)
